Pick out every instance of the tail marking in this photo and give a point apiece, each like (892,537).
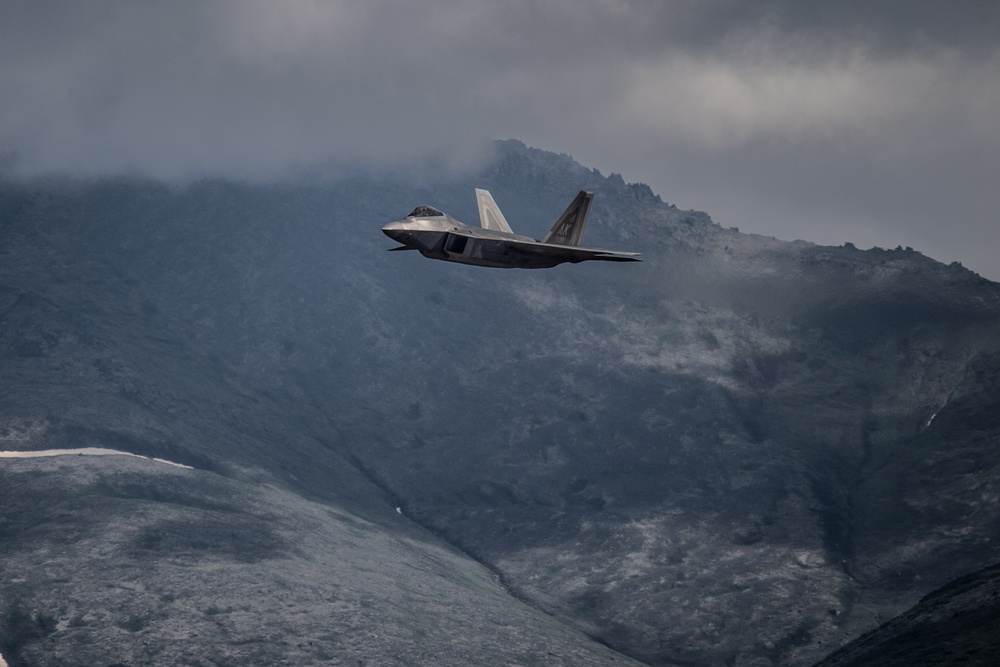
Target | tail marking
(568,229)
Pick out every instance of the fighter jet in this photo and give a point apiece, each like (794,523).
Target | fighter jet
(437,235)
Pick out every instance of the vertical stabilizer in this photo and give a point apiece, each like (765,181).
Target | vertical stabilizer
(489,213)
(568,229)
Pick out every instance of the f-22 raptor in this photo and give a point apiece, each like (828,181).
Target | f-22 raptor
(437,235)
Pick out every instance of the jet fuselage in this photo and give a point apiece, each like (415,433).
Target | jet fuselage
(448,239)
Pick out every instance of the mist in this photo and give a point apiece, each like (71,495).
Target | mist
(878,126)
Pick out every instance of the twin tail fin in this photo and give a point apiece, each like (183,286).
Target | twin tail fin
(489,213)
(568,229)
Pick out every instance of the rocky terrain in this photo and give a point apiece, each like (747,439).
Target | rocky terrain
(954,625)
(742,451)
(117,561)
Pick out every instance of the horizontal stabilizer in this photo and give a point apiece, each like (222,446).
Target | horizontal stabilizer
(619,257)
(401,247)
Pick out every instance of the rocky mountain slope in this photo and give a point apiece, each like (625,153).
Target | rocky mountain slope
(741,451)
(954,625)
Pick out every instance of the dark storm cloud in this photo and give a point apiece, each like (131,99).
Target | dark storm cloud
(894,27)
(871,122)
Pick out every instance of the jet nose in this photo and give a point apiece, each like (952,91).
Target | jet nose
(395,230)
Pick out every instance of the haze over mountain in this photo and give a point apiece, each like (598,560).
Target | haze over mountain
(742,451)
(876,123)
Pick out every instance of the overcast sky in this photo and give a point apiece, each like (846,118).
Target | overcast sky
(855,120)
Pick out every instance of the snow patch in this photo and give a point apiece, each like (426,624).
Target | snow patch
(84,451)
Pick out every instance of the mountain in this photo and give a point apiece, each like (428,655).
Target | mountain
(742,451)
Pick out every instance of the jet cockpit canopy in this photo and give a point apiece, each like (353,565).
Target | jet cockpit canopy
(424,212)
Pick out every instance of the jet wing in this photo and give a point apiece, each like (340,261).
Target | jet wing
(571,254)
(486,247)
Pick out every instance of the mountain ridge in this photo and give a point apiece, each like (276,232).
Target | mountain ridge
(742,451)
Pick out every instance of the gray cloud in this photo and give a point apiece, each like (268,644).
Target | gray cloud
(871,122)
